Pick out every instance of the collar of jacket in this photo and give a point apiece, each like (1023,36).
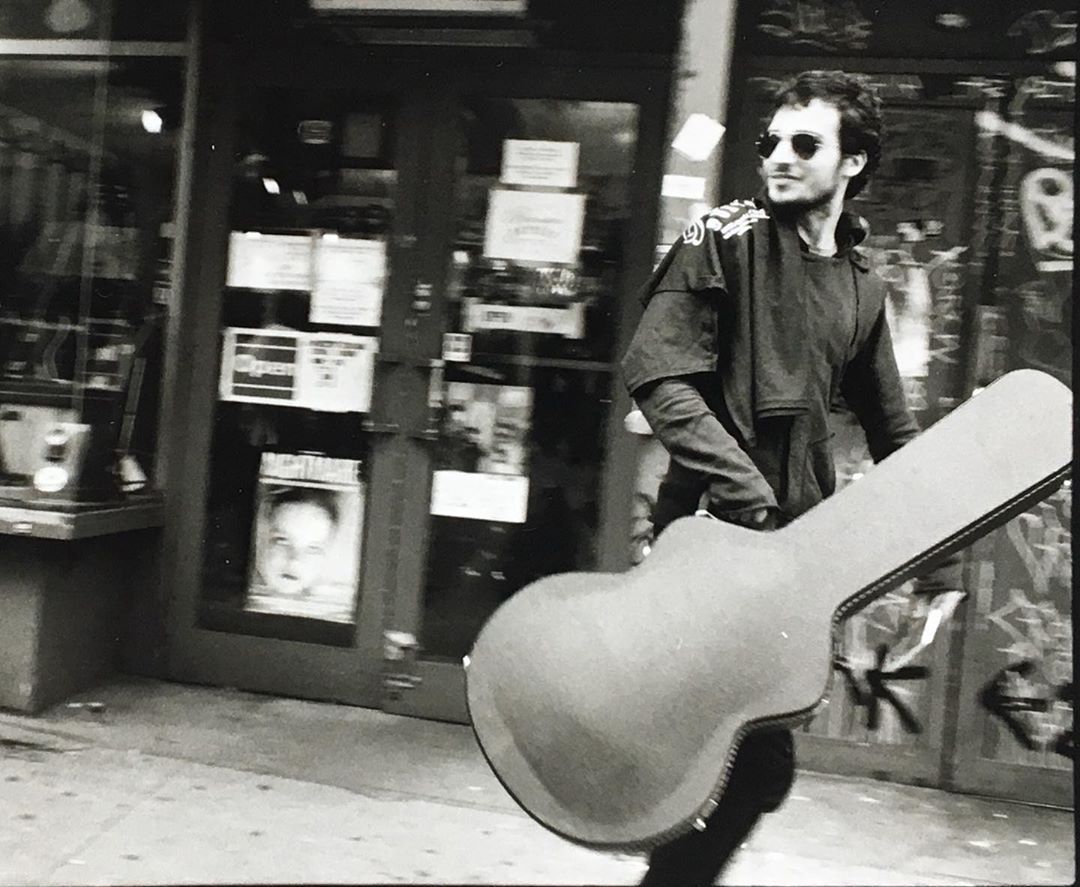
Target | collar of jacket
(851,231)
(778,345)
(779,384)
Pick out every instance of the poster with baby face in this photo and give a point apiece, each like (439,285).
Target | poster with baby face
(306,537)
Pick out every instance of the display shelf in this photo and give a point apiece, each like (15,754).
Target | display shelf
(79,520)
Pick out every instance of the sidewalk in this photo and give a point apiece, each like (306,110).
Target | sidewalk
(171,784)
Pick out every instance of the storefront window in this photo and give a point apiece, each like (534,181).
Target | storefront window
(88,157)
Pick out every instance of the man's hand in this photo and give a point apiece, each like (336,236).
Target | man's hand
(763,518)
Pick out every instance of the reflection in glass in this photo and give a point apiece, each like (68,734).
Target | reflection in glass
(475,563)
(85,269)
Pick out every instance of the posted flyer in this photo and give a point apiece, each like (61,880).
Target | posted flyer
(329,372)
(483,453)
(269,261)
(306,538)
(350,276)
(534,226)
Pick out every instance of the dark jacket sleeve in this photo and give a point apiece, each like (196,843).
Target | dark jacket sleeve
(701,448)
(873,389)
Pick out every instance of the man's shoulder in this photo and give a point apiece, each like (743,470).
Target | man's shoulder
(733,219)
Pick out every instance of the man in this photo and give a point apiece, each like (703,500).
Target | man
(763,314)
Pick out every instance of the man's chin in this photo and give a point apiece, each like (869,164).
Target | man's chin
(788,207)
(791,207)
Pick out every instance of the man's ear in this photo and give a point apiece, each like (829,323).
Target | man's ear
(853,164)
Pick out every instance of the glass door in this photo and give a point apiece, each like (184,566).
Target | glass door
(313,198)
(414,295)
(531,299)
(299,440)
(536,283)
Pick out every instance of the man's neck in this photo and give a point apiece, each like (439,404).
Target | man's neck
(817,226)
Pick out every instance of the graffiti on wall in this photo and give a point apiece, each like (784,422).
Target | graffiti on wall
(860,26)
(1046,206)
(1029,225)
(1023,601)
(916,202)
(1003,696)
(885,697)
(924,303)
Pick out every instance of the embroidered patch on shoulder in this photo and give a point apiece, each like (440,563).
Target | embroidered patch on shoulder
(694,233)
(732,218)
(743,222)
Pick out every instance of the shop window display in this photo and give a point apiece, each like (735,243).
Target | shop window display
(88,153)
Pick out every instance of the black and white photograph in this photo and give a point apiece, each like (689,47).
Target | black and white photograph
(306,557)
(537,442)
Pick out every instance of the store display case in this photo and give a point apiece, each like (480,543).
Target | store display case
(75,352)
(88,154)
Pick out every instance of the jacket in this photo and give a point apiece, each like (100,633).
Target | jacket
(723,315)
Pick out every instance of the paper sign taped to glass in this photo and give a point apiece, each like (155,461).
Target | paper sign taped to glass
(483,453)
(349,280)
(329,372)
(534,226)
(270,261)
(568,321)
(540,163)
(306,537)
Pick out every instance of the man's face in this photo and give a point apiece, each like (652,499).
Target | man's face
(296,548)
(798,183)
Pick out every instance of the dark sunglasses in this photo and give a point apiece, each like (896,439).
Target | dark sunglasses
(803,144)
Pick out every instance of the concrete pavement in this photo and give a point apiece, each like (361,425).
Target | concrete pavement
(171,784)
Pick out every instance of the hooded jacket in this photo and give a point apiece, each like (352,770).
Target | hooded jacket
(724,312)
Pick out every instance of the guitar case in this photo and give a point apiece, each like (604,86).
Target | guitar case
(610,706)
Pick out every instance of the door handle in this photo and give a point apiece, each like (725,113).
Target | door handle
(421,303)
(399,663)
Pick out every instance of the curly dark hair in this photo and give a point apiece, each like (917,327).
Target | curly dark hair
(856,99)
